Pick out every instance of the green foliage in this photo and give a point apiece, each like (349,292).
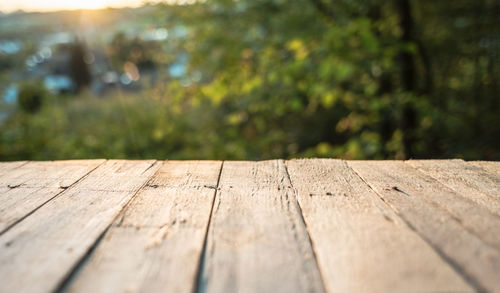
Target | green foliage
(31,97)
(137,51)
(288,79)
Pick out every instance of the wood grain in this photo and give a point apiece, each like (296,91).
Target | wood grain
(361,244)
(39,253)
(300,226)
(6,167)
(431,209)
(469,181)
(490,166)
(257,241)
(477,219)
(30,186)
(156,244)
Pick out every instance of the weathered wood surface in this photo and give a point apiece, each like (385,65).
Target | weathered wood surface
(26,188)
(441,217)
(55,237)
(362,245)
(156,244)
(492,167)
(10,166)
(272,226)
(466,179)
(257,241)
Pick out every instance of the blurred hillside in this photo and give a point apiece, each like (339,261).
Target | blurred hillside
(227,79)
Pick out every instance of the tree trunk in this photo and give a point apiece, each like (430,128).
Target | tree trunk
(408,78)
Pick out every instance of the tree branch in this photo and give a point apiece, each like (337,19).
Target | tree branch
(324,10)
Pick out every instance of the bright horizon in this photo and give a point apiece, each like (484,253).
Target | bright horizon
(54,5)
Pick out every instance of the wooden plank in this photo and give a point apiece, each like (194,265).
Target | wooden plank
(467,180)
(431,209)
(27,188)
(39,252)
(475,218)
(156,245)
(360,243)
(491,166)
(6,167)
(257,241)
(44,174)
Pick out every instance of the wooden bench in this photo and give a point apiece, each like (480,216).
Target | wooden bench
(237,226)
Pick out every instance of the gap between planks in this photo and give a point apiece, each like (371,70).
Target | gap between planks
(362,245)
(198,287)
(301,213)
(474,259)
(81,263)
(179,187)
(73,272)
(439,251)
(257,241)
(30,243)
(16,215)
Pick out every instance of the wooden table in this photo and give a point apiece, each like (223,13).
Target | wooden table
(272,226)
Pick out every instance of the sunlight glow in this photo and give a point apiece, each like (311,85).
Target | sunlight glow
(51,5)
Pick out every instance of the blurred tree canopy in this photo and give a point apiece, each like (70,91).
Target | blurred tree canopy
(135,50)
(356,79)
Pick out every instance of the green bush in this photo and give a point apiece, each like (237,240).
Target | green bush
(279,79)
(31,97)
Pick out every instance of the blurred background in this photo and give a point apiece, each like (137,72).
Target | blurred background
(249,79)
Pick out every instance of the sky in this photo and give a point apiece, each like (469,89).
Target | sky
(51,5)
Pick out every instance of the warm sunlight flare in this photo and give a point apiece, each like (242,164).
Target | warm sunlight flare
(35,5)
